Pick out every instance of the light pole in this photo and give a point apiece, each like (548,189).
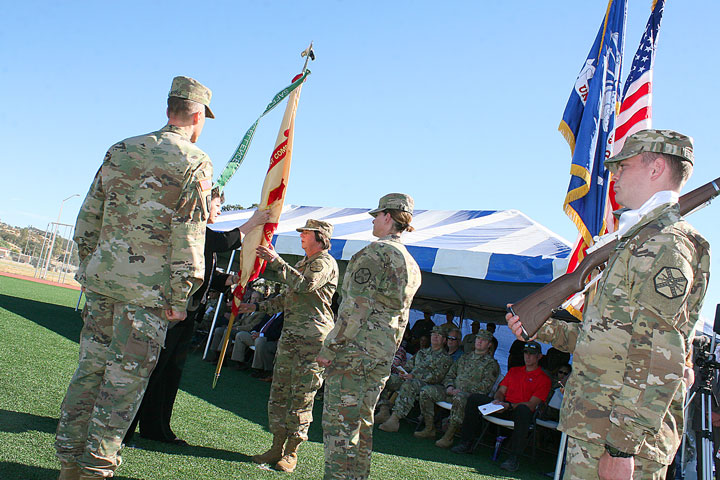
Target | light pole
(52,242)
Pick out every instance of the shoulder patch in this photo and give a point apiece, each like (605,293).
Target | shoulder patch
(362,276)
(670,282)
(205,184)
(316,267)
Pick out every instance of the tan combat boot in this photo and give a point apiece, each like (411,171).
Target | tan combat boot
(392,424)
(276,450)
(69,471)
(447,440)
(383,414)
(429,430)
(289,460)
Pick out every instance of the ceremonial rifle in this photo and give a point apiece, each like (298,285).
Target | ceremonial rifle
(535,309)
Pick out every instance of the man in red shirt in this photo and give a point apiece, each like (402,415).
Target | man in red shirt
(520,393)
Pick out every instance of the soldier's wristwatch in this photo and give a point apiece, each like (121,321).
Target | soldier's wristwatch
(615,453)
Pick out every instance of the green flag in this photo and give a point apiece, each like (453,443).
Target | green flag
(242,149)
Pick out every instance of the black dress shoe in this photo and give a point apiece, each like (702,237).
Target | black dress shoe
(179,442)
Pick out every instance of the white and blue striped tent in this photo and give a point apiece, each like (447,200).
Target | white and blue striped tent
(473,261)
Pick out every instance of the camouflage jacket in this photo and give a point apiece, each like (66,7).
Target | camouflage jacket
(627,387)
(377,290)
(141,229)
(473,373)
(307,302)
(429,366)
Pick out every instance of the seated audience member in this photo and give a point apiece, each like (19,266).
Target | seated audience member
(243,323)
(553,359)
(521,391)
(474,372)
(453,344)
(468,341)
(429,366)
(264,335)
(558,378)
(424,342)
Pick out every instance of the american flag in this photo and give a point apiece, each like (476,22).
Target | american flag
(636,107)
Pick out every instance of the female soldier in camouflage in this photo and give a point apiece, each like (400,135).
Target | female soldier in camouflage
(308,319)
(377,290)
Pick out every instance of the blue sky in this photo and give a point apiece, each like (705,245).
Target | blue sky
(456,103)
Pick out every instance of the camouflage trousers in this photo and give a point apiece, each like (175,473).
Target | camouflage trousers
(408,393)
(296,379)
(352,389)
(119,347)
(583,457)
(436,393)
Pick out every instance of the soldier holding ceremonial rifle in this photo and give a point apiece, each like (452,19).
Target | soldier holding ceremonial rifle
(623,407)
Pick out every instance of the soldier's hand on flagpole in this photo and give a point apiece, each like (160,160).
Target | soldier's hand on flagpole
(266,253)
(246,307)
(260,217)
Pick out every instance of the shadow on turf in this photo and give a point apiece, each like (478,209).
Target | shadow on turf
(191,450)
(26,472)
(18,422)
(64,321)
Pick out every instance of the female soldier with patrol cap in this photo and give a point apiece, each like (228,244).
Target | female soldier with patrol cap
(377,290)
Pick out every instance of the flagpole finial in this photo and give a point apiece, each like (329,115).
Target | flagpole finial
(309,54)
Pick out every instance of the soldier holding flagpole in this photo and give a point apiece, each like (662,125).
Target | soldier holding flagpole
(297,376)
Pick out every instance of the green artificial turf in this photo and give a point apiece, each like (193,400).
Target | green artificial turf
(39,329)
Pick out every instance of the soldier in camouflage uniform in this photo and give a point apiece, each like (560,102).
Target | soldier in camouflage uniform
(623,408)
(140,235)
(308,319)
(474,372)
(377,290)
(426,367)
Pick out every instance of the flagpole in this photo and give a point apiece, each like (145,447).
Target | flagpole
(273,198)
(217,309)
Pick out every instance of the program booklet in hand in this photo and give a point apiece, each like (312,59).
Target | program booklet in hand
(489,408)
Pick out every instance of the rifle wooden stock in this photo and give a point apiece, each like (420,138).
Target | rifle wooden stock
(536,308)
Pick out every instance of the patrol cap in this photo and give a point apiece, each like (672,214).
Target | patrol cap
(317,226)
(191,89)
(658,141)
(485,334)
(396,201)
(532,347)
(439,330)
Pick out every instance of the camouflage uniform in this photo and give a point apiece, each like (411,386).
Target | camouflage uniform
(472,373)
(428,366)
(140,235)
(308,319)
(627,387)
(377,290)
